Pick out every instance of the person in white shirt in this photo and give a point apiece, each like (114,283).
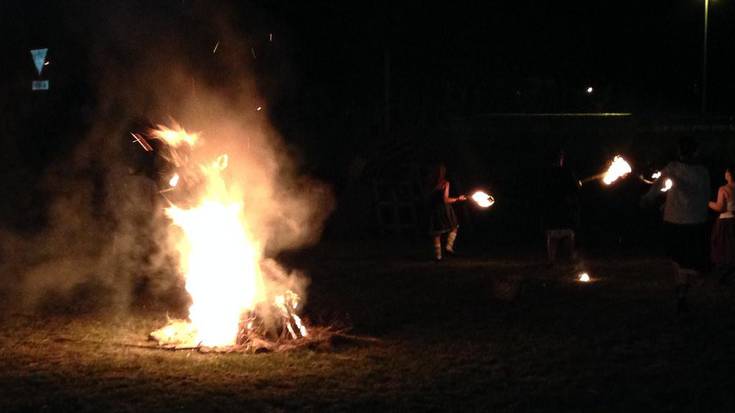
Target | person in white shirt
(685,216)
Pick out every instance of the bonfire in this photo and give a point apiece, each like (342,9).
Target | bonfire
(236,302)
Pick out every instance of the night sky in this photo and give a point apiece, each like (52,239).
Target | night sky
(469,56)
(324,77)
(524,55)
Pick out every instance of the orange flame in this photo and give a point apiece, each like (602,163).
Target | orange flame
(618,169)
(482,199)
(220,259)
(175,137)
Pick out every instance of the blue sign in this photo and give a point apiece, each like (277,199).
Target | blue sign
(39,85)
(39,58)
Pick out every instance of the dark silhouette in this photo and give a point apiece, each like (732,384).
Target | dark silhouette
(560,207)
(685,216)
(442,219)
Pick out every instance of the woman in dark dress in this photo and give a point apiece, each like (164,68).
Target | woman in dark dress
(723,232)
(442,219)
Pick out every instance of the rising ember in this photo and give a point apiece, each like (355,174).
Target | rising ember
(220,259)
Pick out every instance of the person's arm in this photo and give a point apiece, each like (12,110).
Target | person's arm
(450,200)
(719,205)
(655,190)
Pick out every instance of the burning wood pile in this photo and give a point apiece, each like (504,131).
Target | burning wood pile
(241,300)
(256,332)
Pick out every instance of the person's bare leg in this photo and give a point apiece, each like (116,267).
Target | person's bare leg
(450,240)
(437,247)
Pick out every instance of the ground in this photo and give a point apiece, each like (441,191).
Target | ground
(484,332)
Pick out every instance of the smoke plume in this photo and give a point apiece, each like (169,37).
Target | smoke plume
(106,242)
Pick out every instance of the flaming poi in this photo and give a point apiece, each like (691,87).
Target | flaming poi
(483,199)
(655,176)
(668,184)
(221,260)
(652,179)
(619,168)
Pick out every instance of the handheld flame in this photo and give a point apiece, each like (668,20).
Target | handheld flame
(668,184)
(652,179)
(482,199)
(618,169)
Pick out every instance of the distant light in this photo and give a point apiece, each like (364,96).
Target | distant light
(259,108)
(590,90)
(584,277)
(270,37)
(46,63)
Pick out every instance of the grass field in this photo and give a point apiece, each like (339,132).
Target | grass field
(478,333)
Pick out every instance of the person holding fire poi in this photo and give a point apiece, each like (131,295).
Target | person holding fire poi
(684,216)
(442,219)
(722,251)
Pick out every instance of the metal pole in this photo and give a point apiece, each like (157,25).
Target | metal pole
(704,58)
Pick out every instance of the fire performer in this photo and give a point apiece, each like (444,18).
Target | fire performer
(442,219)
(685,216)
(561,207)
(722,251)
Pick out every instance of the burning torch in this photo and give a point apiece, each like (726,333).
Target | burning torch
(482,199)
(619,168)
(654,178)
